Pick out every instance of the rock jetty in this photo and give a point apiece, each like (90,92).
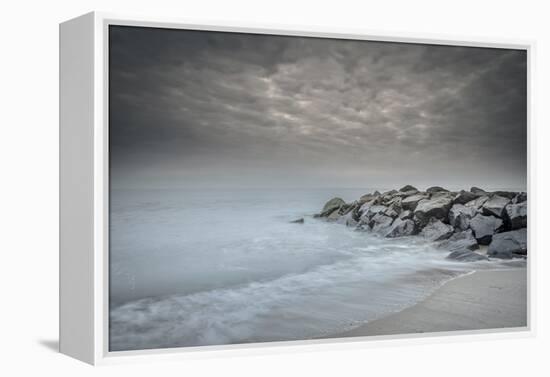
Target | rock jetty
(458,221)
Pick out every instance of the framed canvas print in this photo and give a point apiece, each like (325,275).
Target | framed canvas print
(227,188)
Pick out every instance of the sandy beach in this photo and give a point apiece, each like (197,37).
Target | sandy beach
(481,300)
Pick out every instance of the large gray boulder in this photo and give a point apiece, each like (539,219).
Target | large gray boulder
(365,206)
(477,190)
(464,197)
(460,241)
(353,207)
(516,215)
(495,206)
(505,194)
(348,219)
(331,205)
(478,202)
(394,207)
(460,216)
(436,230)
(437,207)
(388,194)
(344,209)
(408,188)
(464,255)
(404,194)
(334,215)
(484,227)
(406,215)
(520,198)
(509,244)
(401,228)
(394,200)
(435,189)
(368,197)
(380,223)
(410,202)
(372,210)
(392,211)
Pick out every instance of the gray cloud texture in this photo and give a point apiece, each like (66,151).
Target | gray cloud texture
(210,109)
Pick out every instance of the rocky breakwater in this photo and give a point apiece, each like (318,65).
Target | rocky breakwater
(472,225)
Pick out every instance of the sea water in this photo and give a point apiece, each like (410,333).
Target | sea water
(210,267)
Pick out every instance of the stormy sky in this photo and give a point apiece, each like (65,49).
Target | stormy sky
(207,109)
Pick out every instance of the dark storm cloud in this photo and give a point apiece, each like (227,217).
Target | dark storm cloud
(202,108)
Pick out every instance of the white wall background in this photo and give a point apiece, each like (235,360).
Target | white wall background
(29,188)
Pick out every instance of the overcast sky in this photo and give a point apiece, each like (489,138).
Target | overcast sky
(207,109)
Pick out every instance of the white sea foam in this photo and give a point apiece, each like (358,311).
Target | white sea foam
(192,268)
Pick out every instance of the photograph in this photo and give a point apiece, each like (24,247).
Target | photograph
(276,188)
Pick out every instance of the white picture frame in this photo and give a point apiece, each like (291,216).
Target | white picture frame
(84,191)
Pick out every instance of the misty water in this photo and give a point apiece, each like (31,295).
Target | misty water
(208,267)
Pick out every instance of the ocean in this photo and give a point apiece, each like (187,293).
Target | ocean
(209,267)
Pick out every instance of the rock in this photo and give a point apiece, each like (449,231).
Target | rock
(390,199)
(401,228)
(367,211)
(505,194)
(466,256)
(495,206)
(459,222)
(332,204)
(437,207)
(407,193)
(520,198)
(477,190)
(434,189)
(348,219)
(356,213)
(436,230)
(393,210)
(299,221)
(410,202)
(404,194)
(484,227)
(327,213)
(389,193)
(395,200)
(365,206)
(380,223)
(334,215)
(371,211)
(464,197)
(460,241)
(460,216)
(408,188)
(443,194)
(516,215)
(344,209)
(406,215)
(369,197)
(509,244)
(478,202)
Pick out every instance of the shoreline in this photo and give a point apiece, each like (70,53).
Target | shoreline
(481,300)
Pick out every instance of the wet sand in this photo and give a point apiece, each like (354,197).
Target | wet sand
(481,300)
